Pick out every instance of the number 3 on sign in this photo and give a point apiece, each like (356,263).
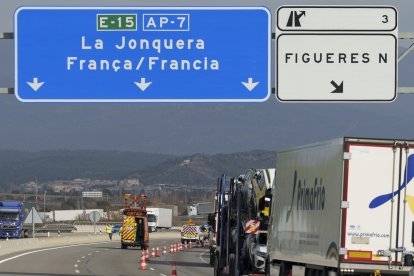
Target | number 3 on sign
(385,18)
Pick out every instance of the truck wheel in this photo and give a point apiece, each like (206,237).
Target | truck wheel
(124,246)
(182,241)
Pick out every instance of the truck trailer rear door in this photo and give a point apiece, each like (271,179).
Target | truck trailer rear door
(378,202)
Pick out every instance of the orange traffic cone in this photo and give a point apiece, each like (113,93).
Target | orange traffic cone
(147,254)
(191,245)
(164,251)
(142,255)
(157,254)
(185,245)
(153,253)
(171,249)
(174,269)
(143,265)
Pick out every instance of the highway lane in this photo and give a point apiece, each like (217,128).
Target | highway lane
(107,259)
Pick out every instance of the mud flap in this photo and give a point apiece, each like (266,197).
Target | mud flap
(298,270)
(274,270)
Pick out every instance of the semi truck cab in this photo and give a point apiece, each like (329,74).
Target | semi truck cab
(11,219)
(152,222)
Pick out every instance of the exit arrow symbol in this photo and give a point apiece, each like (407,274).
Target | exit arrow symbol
(338,88)
(35,85)
(142,85)
(250,85)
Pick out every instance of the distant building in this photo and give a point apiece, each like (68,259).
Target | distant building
(133,182)
(29,187)
(185,162)
(70,215)
(92,194)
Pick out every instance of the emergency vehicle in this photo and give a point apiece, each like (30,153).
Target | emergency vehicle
(190,232)
(135,226)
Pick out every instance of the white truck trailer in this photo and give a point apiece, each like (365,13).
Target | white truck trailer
(159,218)
(344,206)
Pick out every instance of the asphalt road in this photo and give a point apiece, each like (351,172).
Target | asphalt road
(107,259)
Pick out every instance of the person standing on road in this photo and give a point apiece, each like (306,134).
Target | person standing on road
(109,231)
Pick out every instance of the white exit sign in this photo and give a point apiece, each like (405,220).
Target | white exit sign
(336,53)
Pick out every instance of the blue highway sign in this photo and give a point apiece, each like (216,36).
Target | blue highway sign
(151,54)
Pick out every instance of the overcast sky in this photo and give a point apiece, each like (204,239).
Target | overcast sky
(191,128)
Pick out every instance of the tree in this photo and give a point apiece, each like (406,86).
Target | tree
(103,205)
(68,205)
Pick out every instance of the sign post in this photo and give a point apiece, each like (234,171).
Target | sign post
(33,223)
(94,217)
(32,218)
(148,54)
(336,53)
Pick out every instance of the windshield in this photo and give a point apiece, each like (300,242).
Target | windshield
(151,218)
(9,216)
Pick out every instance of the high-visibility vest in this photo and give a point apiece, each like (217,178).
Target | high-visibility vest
(108,229)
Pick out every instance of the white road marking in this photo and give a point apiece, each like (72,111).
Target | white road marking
(47,249)
(89,254)
(202,259)
(75,265)
(162,274)
(97,251)
(83,257)
(152,269)
(77,271)
(78,261)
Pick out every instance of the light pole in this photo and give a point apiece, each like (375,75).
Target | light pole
(37,207)
(44,205)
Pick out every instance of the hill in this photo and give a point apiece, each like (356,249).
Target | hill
(203,170)
(17,167)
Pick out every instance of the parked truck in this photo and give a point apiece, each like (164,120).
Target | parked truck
(344,206)
(12,216)
(159,218)
(240,236)
(135,225)
(200,209)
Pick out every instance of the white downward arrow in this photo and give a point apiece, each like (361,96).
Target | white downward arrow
(142,85)
(250,85)
(35,85)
